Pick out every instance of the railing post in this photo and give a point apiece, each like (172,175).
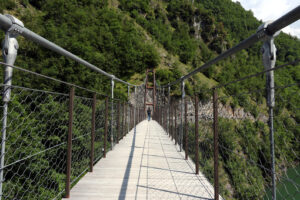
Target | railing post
(158,114)
(154,91)
(269,60)
(171,121)
(105,127)
(9,52)
(175,127)
(131,117)
(69,143)
(123,120)
(165,117)
(216,145)
(162,115)
(118,122)
(163,109)
(182,104)
(169,109)
(140,115)
(112,115)
(196,135)
(93,132)
(186,129)
(126,119)
(134,111)
(127,109)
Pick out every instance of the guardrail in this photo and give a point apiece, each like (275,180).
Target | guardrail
(54,137)
(175,127)
(88,106)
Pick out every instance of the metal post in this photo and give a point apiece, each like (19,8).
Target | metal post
(134,110)
(112,114)
(269,60)
(169,109)
(182,104)
(165,117)
(186,129)
(163,108)
(196,135)
(271,128)
(93,132)
(131,117)
(128,118)
(157,113)
(160,115)
(154,90)
(118,122)
(171,121)
(146,87)
(105,127)
(123,120)
(137,116)
(69,144)
(9,51)
(216,144)
(175,127)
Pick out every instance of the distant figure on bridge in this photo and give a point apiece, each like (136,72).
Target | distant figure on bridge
(149,113)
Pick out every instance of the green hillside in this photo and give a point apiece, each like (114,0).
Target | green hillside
(125,37)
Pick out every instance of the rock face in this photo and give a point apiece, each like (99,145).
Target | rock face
(206,112)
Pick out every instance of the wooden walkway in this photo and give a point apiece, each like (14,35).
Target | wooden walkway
(145,165)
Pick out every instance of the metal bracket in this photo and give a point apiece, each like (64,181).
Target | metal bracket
(112,84)
(10,48)
(269,59)
(17,25)
(128,88)
(183,88)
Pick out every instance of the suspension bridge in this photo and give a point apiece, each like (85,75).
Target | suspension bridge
(95,146)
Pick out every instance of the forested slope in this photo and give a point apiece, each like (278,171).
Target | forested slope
(125,37)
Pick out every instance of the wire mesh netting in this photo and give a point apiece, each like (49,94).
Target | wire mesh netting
(36,144)
(99,130)
(35,156)
(245,144)
(244,141)
(287,149)
(81,137)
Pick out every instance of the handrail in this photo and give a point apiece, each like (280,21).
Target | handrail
(6,24)
(271,29)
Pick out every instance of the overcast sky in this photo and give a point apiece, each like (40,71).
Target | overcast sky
(273,9)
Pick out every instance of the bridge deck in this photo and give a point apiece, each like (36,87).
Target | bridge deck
(145,165)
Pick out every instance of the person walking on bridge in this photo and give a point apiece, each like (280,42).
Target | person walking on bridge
(149,113)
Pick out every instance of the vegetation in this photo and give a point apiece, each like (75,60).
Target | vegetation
(124,38)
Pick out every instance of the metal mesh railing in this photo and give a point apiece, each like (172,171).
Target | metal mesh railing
(36,146)
(99,130)
(235,136)
(81,137)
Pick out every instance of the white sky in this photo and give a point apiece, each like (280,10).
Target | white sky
(272,10)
